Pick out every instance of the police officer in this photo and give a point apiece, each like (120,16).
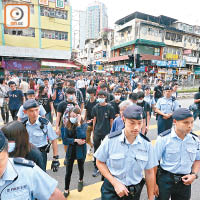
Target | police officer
(22,179)
(178,151)
(165,107)
(40,130)
(122,157)
(21,115)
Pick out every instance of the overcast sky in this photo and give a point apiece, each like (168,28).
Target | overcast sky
(187,11)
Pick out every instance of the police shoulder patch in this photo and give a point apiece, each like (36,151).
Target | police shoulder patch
(193,134)
(165,133)
(24,162)
(43,120)
(144,137)
(114,134)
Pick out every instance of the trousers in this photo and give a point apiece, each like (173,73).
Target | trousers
(164,124)
(97,142)
(108,192)
(168,188)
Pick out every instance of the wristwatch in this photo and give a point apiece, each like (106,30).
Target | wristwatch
(195,174)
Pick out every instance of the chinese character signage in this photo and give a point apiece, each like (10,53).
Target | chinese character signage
(44,2)
(60,3)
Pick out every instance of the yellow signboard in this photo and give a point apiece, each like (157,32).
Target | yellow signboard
(170,56)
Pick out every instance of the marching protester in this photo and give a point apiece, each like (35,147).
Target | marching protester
(115,103)
(75,138)
(158,90)
(88,115)
(103,116)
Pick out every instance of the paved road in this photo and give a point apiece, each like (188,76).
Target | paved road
(92,185)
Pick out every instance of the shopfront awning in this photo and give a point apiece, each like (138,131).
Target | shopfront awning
(59,64)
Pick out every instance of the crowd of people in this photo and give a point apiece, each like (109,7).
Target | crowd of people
(110,117)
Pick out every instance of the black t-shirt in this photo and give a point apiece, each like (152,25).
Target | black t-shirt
(110,97)
(197,96)
(115,106)
(158,91)
(88,106)
(63,105)
(103,115)
(45,101)
(146,108)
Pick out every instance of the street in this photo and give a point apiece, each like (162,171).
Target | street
(92,185)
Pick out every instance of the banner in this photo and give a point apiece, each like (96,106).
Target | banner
(60,4)
(44,2)
(21,65)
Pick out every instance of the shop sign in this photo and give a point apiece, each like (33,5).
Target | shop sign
(187,51)
(169,63)
(162,71)
(60,4)
(170,56)
(183,72)
(44,2)
(125,68)
(190,59)
(21,65)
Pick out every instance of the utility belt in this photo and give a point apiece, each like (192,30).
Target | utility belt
(45,148)
(176,177)
(135,189)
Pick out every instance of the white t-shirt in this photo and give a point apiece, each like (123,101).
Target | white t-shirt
(24,86)
(81,84)
(137,90)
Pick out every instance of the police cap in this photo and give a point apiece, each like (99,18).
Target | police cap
(133,112)
(181,114)
(30,92)
(3,141)
(31,103)
(167,87)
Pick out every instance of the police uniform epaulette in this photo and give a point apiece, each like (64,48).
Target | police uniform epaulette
(165,133)
(43,120)
(194,134)
(24,162)
(144,137)
(114,134)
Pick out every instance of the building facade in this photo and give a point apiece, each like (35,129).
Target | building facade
(47,37)
(166,46)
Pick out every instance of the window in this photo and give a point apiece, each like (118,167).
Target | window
(156,51)
(57,35)
(167,36)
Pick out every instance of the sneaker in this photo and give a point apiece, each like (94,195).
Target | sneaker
(65,162)
(95,173)
(66,194)
(80,186)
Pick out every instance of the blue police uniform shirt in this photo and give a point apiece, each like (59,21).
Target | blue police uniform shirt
(126,161)
(167,105)
(150,100)
(176,155)
(25,183)
(24,116)
(36,135)
(15,99)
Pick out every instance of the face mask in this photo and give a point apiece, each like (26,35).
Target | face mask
(73,120)
(101,100)
(139,101)
(11,146)
(71,97)
(117,97)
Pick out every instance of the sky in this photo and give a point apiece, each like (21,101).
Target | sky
(187,11)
